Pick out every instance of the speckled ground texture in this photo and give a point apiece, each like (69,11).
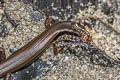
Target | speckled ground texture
(64,66)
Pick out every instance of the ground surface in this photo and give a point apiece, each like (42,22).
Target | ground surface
(64,66)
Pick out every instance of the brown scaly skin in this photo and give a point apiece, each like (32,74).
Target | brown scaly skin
(35,48)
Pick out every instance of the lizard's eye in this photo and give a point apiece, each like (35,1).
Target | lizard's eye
(73,23)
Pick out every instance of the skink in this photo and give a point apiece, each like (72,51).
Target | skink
(35,48)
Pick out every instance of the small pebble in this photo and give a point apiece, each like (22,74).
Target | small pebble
(37,16)
(1,11)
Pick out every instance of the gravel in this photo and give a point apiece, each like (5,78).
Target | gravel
(64,66)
